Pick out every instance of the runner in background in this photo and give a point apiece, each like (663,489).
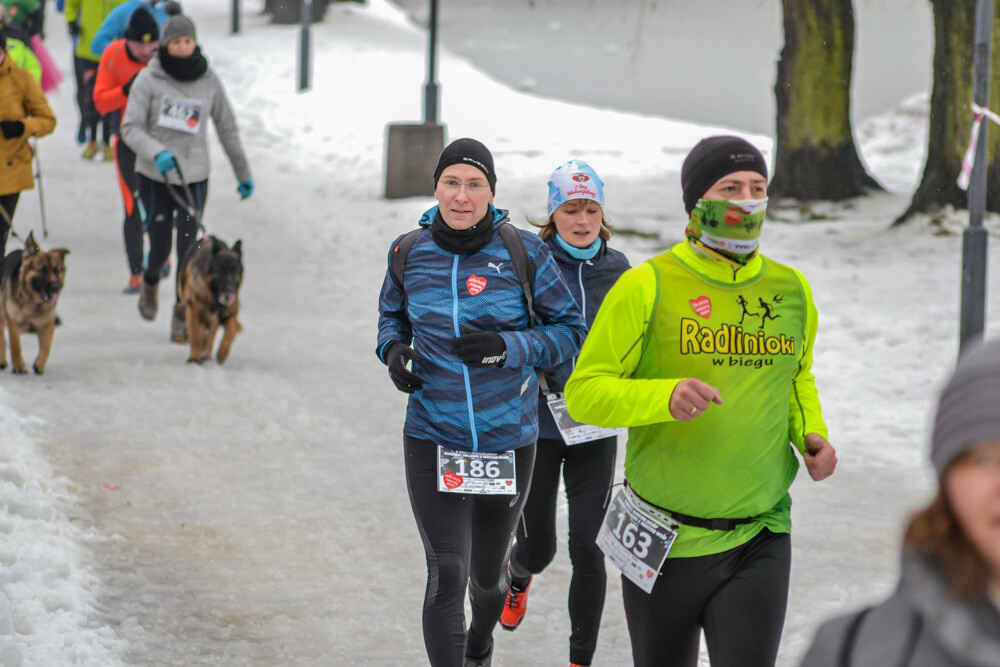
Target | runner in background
(113,27)
(83,18)
(577,234)
(120,64)
(471,420)
(166,124)
(24,113)
(718,393)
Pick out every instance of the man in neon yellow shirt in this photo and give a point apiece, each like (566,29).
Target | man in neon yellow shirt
(705,353)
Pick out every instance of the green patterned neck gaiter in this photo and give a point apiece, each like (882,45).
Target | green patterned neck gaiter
(731,228)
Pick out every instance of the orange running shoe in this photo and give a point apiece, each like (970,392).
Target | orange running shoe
(515,607)
(134,284)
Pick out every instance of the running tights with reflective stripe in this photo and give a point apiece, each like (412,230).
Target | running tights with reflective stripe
(737,597)
(466,542)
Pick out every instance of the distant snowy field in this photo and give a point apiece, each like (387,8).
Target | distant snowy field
(256,514)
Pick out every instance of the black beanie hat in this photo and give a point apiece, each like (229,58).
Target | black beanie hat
(467,151)
(715,157)
(142,27)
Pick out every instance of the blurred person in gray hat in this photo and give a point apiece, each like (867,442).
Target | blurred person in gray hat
(166,124)
(945,611)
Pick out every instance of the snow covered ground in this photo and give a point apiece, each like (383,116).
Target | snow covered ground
(256,514)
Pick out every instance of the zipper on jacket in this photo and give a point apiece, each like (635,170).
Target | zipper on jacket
(465,369)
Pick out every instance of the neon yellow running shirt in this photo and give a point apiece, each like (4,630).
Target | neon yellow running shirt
(683,315)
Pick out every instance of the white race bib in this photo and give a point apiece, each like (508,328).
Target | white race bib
(636,537)
(572,431)
(484,473)
(180,114)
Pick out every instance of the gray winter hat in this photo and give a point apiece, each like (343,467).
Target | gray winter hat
(969,408)
(177,26)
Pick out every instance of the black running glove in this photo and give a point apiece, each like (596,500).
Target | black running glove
(396,357)
(480,349)
(74,28)
(11,129)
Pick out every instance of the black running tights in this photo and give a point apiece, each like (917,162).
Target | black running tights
(737,597)
(162,213)
(466,542)
(588,470)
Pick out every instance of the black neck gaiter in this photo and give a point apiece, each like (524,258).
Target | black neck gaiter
(462,241)
(184,69)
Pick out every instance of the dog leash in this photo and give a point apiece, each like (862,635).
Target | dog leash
(188,201)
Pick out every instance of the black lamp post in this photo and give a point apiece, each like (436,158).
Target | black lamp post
(975,237)
(412,149)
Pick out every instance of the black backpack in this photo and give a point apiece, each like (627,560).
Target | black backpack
(515,246)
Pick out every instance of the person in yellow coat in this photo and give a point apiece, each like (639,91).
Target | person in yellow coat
(24,113)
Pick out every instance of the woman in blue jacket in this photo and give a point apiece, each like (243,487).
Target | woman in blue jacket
(472,417)
(577,234)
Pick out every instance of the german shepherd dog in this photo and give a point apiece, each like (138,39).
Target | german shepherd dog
(208,285)
(30,282)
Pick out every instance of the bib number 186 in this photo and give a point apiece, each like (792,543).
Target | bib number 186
(487,473)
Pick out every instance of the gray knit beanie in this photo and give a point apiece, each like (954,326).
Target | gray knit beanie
(969,408)
(177,26)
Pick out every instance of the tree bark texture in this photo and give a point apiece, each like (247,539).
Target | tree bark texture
(815,154)
(950,122)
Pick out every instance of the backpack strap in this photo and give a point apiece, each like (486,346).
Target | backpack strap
(522,264)
(399,252)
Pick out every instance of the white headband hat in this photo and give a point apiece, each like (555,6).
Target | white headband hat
(574,180)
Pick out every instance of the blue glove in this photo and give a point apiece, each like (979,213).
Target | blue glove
(245,188)
(165,161)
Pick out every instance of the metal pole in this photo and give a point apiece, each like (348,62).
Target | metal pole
(431,87)
(235,15)
(975,237)
(304,50)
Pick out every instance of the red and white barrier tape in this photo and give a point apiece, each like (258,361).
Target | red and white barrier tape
(970,154)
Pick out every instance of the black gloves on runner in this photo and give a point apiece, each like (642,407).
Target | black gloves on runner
(480,349)
(74,28)
(396,357)
(11,129)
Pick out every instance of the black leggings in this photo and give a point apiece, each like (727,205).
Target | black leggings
(8,203)
(738,597)
(132,226)
(86,76)
(588,470)
(466,542)
(161,214)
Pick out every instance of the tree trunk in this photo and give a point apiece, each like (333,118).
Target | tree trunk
(815,154)
(950,115)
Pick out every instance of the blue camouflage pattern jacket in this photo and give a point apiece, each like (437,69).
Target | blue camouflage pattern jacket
(444,295)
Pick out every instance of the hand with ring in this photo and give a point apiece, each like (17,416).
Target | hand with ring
(691,397)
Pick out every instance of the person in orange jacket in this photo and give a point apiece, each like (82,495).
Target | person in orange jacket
(120,63)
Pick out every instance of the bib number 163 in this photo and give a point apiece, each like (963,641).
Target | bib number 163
(635,542)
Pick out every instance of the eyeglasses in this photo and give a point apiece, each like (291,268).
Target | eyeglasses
(473,187)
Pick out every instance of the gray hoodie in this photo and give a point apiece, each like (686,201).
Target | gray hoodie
(164,114)
(920,625)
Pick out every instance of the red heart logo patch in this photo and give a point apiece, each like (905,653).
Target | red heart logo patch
(452,481)
(476,284)
(509,482)
(702,305)
(650,573)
